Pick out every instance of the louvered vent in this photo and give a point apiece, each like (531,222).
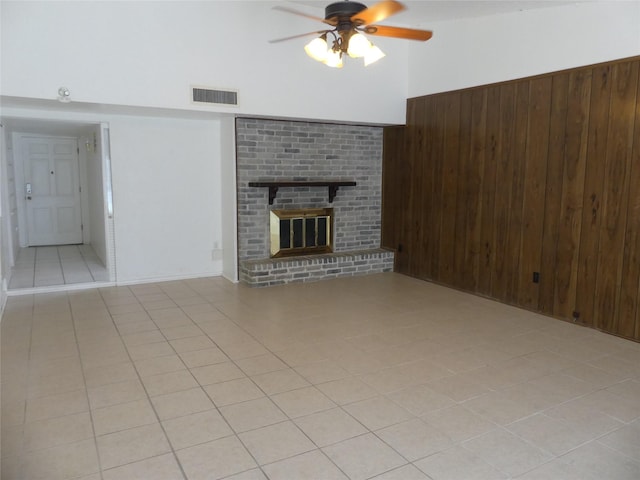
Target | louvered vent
(212,96)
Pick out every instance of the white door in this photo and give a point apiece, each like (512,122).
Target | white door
(52,190)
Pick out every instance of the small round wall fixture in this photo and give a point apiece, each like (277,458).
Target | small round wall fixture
(64,95)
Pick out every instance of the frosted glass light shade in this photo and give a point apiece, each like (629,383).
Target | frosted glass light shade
(373,55)
(358,46)
(334,59)
(317,49)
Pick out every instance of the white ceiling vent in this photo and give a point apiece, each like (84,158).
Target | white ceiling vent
(214,96)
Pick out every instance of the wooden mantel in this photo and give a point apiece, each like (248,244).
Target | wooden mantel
(273,187)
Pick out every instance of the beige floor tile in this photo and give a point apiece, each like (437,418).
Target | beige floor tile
(549,434)
(185,331)
(420,399)
(280,381)
(191,344)
(12,438)
(303,401)
(244,349)
(136,327)
(169,382)
(407,472)
(55,431)
(219,372)
(200,358)
(459,464)
(347,390)
(233,391)
(196,428)
(114,393)
(261,364)
(626,440)
(309,465)
(377,412)
(123,416)
(507,452)
(276,442)
(217,459)
(499,408)
(583,417)
(132,445)
(253,474)
(61,462)
(252,414)
(142,338)
(364,457)
(104,375)
(178,404)
(56,405)
(458,423)
(330,426)
(158,365)
(163,467)
(414,439)
(322,372)
(597,461)
(150,350)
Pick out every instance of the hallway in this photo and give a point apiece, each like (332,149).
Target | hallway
(56,265)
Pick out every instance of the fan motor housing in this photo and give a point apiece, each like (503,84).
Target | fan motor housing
(343,9)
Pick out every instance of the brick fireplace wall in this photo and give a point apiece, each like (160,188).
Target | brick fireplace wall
(270,150)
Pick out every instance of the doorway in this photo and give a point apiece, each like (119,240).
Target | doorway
(58,208)
(52,190)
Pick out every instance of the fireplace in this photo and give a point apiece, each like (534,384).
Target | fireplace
(301,231)
(288,168)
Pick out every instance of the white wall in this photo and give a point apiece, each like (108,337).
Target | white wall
(229,199)
(166,190)
(95,192)
(150,53)
(4,260)
(485,50)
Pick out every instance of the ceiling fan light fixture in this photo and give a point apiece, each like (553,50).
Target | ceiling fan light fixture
(373,55)
(359,45)
(317,48)
(334,59)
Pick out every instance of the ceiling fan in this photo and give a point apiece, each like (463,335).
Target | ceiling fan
(349,21)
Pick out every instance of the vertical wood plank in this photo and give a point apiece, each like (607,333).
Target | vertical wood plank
(437,152)
(422,197)
(520,144)
(395,176)
(504,182)
(449,182)
(616,196)
(625,312)
(569,228)
(476,187)
(555,158)
(535,173)
(461,272)
(413,228)
(492,154)
(593,193)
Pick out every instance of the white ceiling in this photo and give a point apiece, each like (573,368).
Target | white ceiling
(421,13)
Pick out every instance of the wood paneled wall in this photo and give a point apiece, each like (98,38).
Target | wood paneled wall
(485,186)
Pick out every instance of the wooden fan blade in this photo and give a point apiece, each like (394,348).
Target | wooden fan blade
(399,32)
(305,15)
(319,32)
(377,12)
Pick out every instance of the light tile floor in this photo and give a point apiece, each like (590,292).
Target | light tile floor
(56,265)
(382,377)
